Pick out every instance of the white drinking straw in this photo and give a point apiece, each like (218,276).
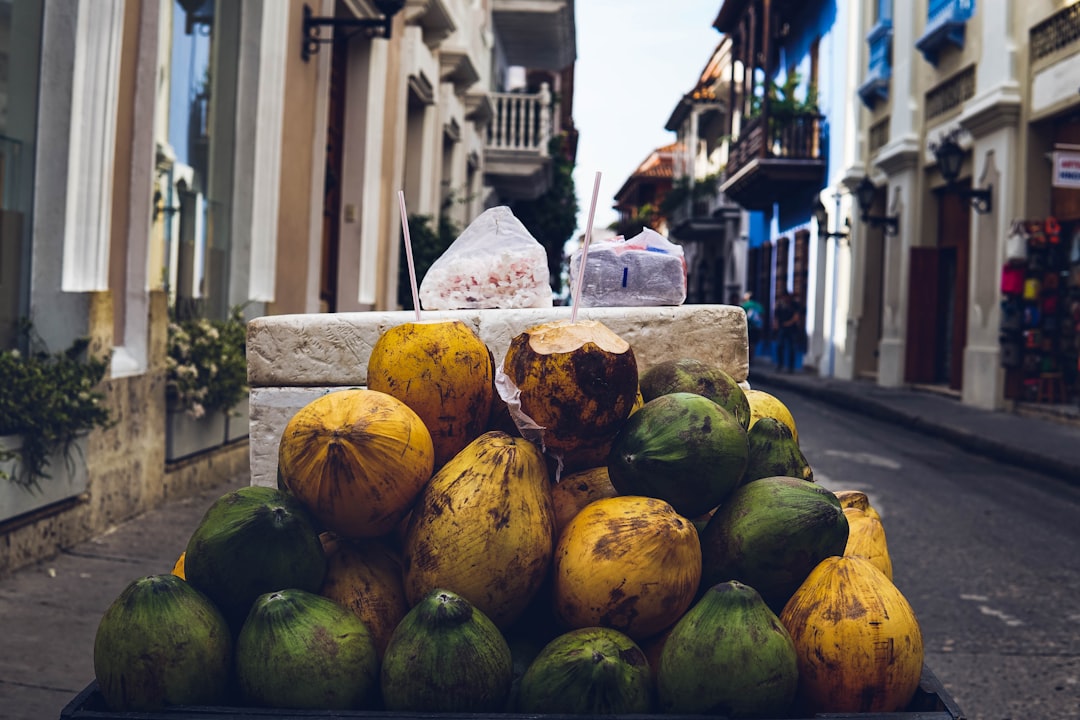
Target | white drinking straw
(584,250)
(408,253)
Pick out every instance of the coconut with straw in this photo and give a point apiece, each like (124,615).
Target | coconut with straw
(439,368)
(571,383)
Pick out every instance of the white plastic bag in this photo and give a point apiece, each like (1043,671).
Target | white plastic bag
(495,263)
(1016,243)
(646,270)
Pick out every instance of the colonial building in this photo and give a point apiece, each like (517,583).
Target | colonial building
(179,158)
(966,276)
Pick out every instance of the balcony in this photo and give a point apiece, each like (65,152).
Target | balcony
(775,158)
(876,85)
(516,159)
(945,23)
(536,34)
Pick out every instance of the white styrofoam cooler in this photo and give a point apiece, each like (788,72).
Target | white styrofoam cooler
(293,359)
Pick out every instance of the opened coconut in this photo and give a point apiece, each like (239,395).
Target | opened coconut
(572,384)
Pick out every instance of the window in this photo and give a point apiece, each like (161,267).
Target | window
(945,23)
(879,68)
(196,181)
(20,39)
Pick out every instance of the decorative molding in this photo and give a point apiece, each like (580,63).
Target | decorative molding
(950,94)
(1057,32)
(92,145)
(899,155)
(452,130)
(457,67)
(433,17)
(997,109)
(422,89)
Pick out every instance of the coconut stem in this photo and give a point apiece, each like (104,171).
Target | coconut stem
(576,300)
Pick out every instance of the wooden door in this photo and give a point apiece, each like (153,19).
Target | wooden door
(954,237)
(921,351)
(331,236)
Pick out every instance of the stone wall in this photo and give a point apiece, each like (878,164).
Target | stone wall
(127,471)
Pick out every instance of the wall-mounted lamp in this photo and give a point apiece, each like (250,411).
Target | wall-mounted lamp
(864,195)
(950,156)
(822,217)
(193,18)
(378,27)
(159,207)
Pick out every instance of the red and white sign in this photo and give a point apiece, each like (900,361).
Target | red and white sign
(1066,170)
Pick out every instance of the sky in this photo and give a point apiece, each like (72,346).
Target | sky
(635,60)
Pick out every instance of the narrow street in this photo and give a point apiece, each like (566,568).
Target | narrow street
(988,555)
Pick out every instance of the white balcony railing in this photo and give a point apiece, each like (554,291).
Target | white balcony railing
(522,122)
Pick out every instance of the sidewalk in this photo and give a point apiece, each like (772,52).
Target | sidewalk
(49,612)
(1044,438)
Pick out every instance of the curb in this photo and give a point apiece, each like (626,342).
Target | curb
(1001,452)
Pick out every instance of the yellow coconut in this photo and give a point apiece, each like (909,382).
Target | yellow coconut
(366,578)
(444,372)
(763,404)
(357,459)
(866,538)
(630,563)
(858,643)
(178,568)
(576,490)
(484,528)
(578,381)
(856,499)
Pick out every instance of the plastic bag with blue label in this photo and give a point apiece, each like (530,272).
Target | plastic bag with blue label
(646,270)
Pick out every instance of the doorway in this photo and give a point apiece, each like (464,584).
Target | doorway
(335,128)
(938,299)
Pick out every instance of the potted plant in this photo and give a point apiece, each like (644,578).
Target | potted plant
(206,381)
(48,403)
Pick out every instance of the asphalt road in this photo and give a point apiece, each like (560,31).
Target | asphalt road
(987,555)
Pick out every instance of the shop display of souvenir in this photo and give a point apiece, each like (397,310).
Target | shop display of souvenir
(1040,307)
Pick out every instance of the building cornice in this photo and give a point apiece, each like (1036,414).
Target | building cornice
(991,111)
(898,155)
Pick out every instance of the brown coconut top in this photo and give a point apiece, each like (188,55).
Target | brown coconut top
(560,336)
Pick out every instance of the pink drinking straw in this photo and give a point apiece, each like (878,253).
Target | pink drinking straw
(408,253)
(584,250)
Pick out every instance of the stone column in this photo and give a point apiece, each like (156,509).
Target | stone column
(992,117)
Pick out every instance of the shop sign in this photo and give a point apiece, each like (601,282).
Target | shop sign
(1066,170)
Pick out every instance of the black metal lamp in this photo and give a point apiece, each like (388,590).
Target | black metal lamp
(822,217)
(378,27)
(864,195)
(950,156)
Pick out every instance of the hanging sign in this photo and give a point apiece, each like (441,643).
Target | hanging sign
(1066,170)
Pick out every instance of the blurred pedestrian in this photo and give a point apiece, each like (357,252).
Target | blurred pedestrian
(755,320)
(787,321)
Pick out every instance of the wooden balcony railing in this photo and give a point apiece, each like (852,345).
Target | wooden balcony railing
(799,137)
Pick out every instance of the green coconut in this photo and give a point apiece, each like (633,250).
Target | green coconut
(299,650)
(681,448)
(446,656)
(728,655)
(253,541)
(770,533)
(162,642)
(588,671)
(696,376)
(774,452)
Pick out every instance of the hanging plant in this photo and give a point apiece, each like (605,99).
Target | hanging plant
(206,364)
(49,400)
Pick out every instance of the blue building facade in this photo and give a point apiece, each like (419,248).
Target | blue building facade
(786,154)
